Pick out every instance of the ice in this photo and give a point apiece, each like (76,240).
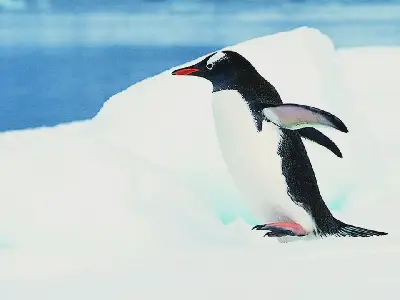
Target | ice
(132,204)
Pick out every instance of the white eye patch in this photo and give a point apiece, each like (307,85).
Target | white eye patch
(216,58)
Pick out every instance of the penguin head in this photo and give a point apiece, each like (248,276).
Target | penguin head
(223,69)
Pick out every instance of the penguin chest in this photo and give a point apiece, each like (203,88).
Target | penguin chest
(252,158)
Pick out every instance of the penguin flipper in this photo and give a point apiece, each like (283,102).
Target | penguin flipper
(295,116)
(318,137)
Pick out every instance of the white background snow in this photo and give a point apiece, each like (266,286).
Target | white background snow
(142,218)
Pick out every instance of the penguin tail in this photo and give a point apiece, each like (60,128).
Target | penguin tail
(347,230)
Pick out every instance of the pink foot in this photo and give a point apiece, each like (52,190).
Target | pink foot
(278,229)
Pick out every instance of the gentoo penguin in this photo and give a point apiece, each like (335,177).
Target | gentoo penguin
(260,140)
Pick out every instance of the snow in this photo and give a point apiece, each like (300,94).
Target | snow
(132,204)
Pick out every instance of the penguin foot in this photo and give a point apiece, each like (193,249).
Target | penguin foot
(282,229)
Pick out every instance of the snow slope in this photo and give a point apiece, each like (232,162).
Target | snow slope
(131,204)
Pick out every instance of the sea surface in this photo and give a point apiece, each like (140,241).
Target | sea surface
(48,86)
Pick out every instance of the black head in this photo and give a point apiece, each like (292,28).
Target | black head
(224,69)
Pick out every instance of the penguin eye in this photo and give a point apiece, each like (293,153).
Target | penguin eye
(209,66)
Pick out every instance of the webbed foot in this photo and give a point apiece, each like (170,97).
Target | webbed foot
(278,229)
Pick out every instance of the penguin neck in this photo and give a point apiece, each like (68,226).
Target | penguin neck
(237,80)
(254,89)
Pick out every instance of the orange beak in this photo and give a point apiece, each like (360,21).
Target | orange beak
(185,71)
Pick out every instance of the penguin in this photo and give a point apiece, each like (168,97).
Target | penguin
(260,139)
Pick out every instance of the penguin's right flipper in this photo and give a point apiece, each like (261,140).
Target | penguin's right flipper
(295,116)
(318,137)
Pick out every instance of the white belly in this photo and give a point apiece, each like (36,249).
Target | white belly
(253,162)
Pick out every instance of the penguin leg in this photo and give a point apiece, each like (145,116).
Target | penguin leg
(279,229)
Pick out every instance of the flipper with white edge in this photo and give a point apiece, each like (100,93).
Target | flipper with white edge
(295,116)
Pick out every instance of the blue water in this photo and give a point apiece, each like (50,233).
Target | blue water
(48,86)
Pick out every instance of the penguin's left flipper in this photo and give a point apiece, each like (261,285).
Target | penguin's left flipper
(295,116)
(318,137)
(279,229)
